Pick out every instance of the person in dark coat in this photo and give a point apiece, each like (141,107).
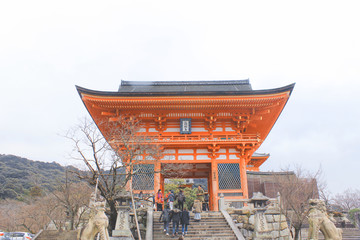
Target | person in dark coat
(165,217)
(181,199)
(205,204)
(185,220)
(175,217)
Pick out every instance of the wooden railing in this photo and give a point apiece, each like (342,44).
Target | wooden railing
(190,138)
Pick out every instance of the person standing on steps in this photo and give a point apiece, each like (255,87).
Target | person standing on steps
(159,199)
(175,217)
(185,220)
(197,210)
(206,202)
(170,197)
(165,217)
(181,200)
(200,194)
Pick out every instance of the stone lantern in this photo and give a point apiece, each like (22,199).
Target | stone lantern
(259,200)
(122,228)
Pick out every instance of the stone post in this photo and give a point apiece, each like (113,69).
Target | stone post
(122,228)
(222,202)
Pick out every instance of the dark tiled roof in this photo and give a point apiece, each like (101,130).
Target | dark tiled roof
(184,86)
(255,154)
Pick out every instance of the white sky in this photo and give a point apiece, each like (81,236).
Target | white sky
(48,47)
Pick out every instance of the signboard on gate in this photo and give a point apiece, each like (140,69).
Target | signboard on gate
(185,125)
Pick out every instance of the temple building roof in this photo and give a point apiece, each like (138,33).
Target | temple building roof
(185,88)
(256,154)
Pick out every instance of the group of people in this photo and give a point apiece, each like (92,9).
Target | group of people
(169,200)
(180,215)
(177,217)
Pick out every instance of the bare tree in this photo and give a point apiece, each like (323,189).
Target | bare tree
(10,210)
(112,165)
(296,190)
(348,199)
(73,198)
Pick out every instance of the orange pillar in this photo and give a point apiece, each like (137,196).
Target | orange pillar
(215,186)
(210,191)
(243,177)
(157,176)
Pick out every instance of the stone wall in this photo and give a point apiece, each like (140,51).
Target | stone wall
(142,219)
(261,223)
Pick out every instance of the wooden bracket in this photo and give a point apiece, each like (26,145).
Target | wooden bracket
(210,120)
(213,151)
(240,122)
(160,120)
(245,151)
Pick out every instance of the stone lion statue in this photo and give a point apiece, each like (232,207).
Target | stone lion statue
(319,220)
(98,223)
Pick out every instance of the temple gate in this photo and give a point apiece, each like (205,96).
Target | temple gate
(208,129)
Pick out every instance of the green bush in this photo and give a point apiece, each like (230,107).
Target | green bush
(351,215)
(190,194)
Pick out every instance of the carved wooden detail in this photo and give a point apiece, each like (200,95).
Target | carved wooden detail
(245,151)
(160,120)
(240,122)
(213,151)
(210,120)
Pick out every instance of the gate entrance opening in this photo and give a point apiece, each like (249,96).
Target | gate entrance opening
(187,171)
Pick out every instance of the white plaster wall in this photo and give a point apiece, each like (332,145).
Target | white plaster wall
(169,157)
(173,129)
(186,150)
(202,150)
(186,157)
(198,129)
(166,151)
(221,157)
(142,130)
(202,157)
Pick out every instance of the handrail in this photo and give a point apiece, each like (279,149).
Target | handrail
(229,220)
(149,224)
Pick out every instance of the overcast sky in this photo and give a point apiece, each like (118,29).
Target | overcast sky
(48,47)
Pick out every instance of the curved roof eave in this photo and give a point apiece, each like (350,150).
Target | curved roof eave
(82,90)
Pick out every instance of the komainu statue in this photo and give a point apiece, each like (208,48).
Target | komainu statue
(98,223)
(319,220)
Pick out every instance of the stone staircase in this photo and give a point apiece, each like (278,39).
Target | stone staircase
(348,234)
(212,226)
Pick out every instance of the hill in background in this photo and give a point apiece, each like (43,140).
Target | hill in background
(19,176)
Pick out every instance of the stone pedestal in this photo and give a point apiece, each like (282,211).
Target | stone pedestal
(122,228)
(261,229)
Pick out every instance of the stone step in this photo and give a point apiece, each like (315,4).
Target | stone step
(221,222)
(225,228)
(204,236)
(200,233)
(212,226)
(198,238)
(210,214)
